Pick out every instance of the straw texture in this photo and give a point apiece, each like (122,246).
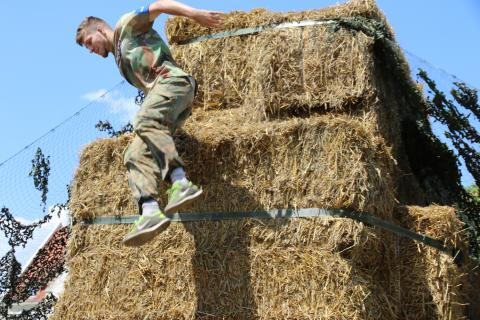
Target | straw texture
(320,69)
(435,287)
(321,161)
(249,269)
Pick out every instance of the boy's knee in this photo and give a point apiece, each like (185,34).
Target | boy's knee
(136,122)
(143,126)
(134,151)
(141,120)
(128,156)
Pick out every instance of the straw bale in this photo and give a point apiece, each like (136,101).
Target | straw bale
(247,269)
(321,161)
(319,69)
(436,287)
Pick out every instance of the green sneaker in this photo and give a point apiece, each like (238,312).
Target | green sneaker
(180,195)
(146,228)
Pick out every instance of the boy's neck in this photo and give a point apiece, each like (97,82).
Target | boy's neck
(109,35)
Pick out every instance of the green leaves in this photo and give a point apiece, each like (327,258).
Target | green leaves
(40,172)
(474,191)
(461,132)
(105,126)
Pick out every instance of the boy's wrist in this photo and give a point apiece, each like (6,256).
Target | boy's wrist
(192,13)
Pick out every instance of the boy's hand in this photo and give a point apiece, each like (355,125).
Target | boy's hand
(210,19)
(161,71)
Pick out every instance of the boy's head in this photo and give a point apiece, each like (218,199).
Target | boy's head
(95,34)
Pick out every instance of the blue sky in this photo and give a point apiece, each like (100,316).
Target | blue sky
(47,77)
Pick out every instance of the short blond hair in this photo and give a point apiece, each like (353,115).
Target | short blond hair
(88,23)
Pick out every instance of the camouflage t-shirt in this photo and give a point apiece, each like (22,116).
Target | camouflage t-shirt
(139,51)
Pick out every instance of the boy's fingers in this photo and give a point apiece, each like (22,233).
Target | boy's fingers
(218,18)
(218,15)
(161,70)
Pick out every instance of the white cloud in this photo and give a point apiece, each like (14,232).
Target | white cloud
(95,95)
(117,103)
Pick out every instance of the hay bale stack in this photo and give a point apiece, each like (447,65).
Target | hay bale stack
(269,269)
(259,269)
(322,161)
(281,71)
(305,268)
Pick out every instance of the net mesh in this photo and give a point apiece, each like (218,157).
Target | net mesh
(62,145)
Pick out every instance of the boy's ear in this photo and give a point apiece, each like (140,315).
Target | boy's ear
(101,29)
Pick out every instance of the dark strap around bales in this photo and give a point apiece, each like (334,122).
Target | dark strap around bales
(370,27)
(291,213)
(254,30)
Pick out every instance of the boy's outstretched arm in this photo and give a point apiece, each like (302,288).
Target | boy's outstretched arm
(204,17)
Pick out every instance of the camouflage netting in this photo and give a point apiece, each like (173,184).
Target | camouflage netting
(15,286)
(374,152)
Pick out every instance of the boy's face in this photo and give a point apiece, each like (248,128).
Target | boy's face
(96,41)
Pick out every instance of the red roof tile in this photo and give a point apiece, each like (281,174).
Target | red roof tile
(48,260)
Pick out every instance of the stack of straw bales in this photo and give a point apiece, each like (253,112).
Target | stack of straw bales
(315,137)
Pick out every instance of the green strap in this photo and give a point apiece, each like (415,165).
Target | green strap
(285,214)
(370,27)
(255,30)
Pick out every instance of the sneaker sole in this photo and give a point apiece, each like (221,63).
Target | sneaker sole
(146,235)
(182,204)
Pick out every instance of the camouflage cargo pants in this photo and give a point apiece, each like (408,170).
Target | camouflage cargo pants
(152,153)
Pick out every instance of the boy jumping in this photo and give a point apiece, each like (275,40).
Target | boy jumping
(145,61)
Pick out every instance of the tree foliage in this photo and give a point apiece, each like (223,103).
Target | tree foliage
(105,126)
(463,135)
(474,192)
(40,172)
